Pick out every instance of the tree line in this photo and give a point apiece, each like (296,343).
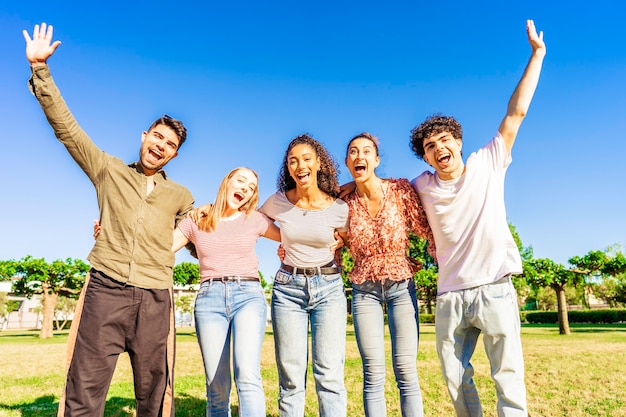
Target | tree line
(599,272)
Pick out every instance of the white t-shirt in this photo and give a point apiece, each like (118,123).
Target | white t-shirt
(468,219)
(306,235)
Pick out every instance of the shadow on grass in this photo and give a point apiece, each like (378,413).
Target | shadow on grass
(47,405)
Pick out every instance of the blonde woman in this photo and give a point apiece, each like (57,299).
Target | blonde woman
(230,304)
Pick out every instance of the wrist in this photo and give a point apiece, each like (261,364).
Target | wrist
(38,64)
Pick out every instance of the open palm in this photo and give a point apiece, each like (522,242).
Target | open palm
(40,47)
(536,40)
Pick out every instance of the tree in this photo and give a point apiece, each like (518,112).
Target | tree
(545,272)
(426,277)
(65,306)
(522,287)
(4,309)
(615,269)
(36,276)
(186,273)
(347,263)
(609,264)
(184,304)
(266,285)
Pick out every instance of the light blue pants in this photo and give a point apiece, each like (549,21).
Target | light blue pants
(237,311)
(461,316)
(402,314)
(298,300)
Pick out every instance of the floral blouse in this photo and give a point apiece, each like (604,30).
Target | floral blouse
(379,244)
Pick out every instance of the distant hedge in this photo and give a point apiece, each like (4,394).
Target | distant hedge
(613,315)
(424,318)
(427,318)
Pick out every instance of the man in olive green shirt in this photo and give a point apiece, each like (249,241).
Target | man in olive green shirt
(126,304)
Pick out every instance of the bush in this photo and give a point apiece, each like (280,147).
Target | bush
(539,317)
(614,315)
(427,318)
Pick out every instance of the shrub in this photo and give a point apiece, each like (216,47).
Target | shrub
(607,316)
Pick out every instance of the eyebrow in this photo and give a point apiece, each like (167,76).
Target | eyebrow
(303,155)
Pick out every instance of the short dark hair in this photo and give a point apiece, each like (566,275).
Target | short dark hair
(433,125)
(174,124)
(327,176)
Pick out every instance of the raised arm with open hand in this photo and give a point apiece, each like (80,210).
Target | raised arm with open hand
(40,47)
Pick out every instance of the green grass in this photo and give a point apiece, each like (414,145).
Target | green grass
(579,375)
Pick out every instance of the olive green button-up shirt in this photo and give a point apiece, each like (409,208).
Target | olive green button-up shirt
(134,246)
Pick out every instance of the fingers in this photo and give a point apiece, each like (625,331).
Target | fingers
(55,45)
(96,228)
(26,36)
(49,32)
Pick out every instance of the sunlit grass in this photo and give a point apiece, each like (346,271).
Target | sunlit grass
(578,375)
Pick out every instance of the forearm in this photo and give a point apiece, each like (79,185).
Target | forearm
(525,90)
(521,98)
(65,127)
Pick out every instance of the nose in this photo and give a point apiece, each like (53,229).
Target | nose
(160,144)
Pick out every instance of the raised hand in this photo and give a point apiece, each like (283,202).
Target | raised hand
(40,47)
(535,40)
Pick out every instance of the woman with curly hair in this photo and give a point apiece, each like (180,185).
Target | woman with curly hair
(308,288)
(382,213)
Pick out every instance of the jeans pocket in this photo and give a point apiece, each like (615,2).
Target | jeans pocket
(205,287)
(282,277)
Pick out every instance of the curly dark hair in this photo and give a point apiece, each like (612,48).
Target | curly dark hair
(434,125)
(174,124)
(327,176)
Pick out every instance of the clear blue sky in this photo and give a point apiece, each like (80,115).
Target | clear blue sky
(246,77)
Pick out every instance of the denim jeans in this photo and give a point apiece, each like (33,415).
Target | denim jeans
(297,300)
(461,316)
(369,326)
(237,311)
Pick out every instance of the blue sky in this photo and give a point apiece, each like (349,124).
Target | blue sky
(247,77)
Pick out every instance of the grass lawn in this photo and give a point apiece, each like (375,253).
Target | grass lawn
(579,375)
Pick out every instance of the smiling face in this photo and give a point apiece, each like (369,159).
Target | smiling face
(241,188)
(303,164)
(158,146)
(443,152)
(362,159)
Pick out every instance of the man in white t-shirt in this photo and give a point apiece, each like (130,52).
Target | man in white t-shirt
(476,253)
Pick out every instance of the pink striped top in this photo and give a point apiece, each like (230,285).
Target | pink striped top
(229,249)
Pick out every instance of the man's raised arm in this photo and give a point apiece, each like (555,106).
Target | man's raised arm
(523,94)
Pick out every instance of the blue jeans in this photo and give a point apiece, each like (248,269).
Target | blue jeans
(297,300)
(234,310)
(461,317)
(369,326)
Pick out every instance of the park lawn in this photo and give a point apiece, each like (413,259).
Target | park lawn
(579,375)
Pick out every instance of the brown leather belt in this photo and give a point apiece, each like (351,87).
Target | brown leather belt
(233,278)
(325,269)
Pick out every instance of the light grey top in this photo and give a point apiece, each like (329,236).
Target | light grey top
(306,235)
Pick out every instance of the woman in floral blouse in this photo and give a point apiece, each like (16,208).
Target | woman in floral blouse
(382,213)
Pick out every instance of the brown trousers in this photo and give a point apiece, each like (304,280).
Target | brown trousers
(112,318)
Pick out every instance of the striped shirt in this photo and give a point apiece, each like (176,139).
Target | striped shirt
(229,248)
